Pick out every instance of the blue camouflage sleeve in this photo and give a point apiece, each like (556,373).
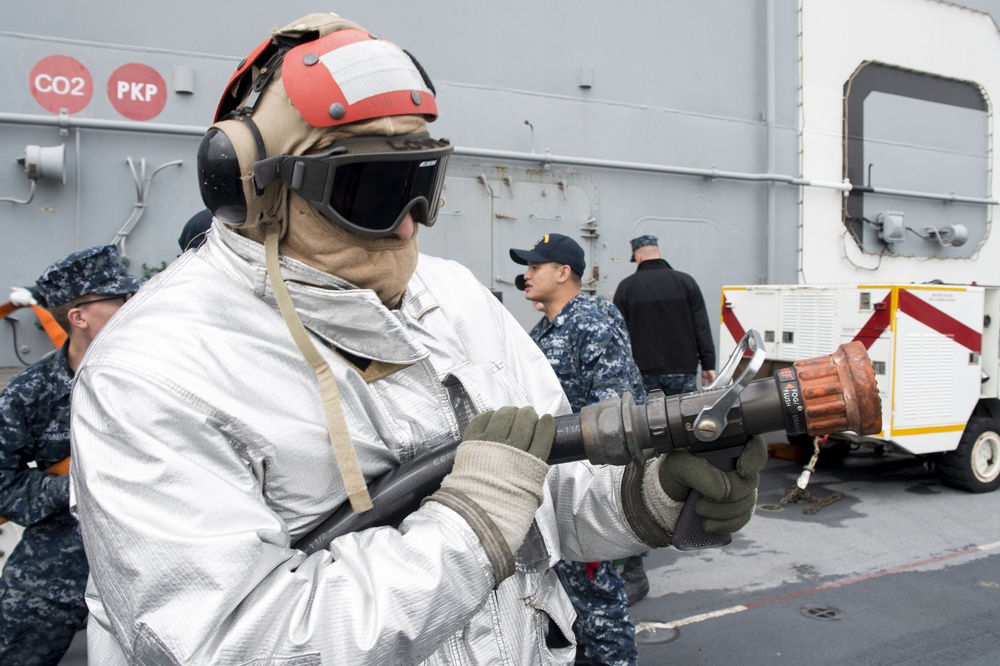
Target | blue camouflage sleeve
(28,494)
(606,359)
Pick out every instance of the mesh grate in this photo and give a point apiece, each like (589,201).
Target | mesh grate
(827,613)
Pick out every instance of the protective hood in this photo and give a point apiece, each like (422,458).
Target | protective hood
(297,92)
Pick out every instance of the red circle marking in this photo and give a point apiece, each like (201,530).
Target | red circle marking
(137,91)
(60,82)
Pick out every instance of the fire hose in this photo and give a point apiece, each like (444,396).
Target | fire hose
(818,396)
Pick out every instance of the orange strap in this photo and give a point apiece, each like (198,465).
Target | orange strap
(55,332)
(61,468)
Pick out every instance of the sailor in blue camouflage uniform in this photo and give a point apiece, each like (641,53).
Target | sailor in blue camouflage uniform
(41,588)
(587,343)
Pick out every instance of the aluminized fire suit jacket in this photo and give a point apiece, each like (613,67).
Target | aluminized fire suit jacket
(200,453)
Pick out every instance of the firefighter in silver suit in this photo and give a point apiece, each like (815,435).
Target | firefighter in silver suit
(302,352)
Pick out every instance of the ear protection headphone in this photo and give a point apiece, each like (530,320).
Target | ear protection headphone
(318,73)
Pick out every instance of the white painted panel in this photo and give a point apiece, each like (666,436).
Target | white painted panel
(940,38)
(812,319)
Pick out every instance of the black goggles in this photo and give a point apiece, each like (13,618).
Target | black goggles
(368,185)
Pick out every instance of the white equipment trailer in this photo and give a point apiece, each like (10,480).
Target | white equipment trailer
(901,260)
(934,349)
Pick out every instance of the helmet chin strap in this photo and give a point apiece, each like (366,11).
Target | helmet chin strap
(340,438)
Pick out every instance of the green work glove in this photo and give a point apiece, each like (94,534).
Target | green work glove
(498,480)
(520,428)
(728,498)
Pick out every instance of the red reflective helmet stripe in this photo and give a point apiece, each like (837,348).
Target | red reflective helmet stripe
(227,103)
(376,79)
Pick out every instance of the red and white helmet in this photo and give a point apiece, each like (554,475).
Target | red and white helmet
(310,79)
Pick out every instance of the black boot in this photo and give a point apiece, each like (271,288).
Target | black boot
(636,583)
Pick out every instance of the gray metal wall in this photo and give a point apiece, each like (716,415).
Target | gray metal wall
(665,83)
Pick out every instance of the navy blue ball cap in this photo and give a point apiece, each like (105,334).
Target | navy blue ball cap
(553,247)
(96,270)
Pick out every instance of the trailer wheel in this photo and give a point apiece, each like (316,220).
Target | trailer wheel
(975,464)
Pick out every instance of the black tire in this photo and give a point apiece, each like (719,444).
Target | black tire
(975,464)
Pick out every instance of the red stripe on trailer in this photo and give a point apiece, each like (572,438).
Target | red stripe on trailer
(943,323)
(876,324)
(732,324)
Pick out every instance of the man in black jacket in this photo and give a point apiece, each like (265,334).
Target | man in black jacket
(671,336)
(667,320)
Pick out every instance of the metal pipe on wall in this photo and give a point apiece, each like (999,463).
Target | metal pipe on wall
(544,159)
(67,121)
